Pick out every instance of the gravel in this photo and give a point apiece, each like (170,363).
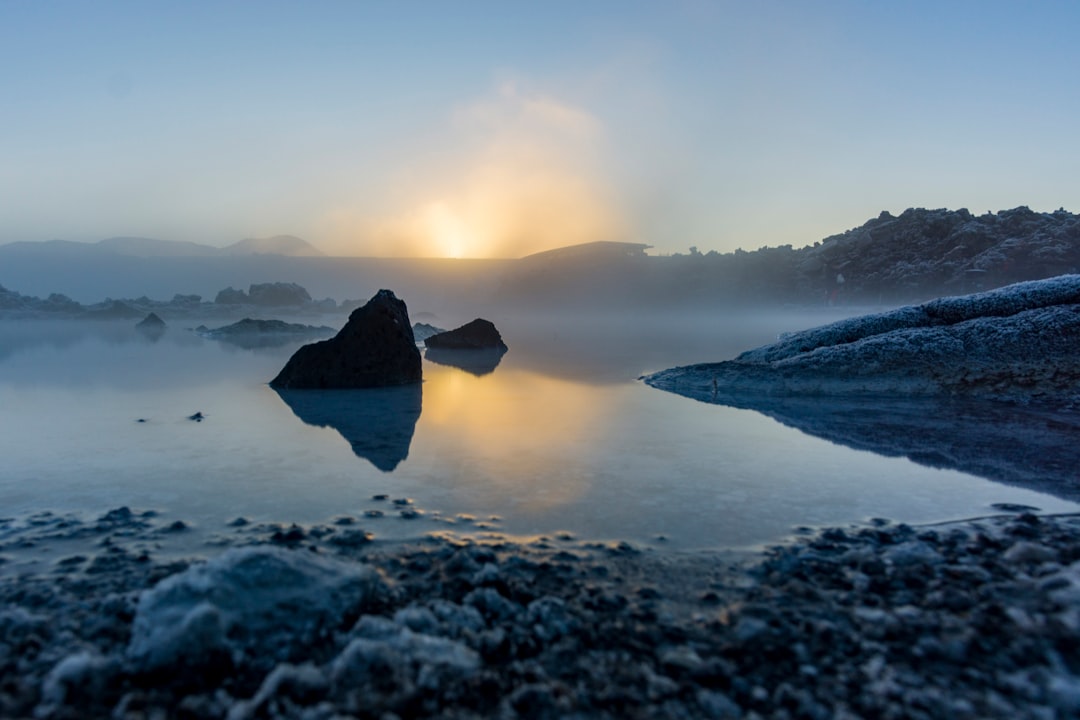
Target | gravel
(971,619)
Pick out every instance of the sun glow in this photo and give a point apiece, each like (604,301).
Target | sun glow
(485,422)
(449,236)
(518,173)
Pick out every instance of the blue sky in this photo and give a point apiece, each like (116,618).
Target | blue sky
(476,128)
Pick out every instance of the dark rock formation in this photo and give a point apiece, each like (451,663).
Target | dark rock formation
(151,323)
(375,348)
(378,422)
(476,335)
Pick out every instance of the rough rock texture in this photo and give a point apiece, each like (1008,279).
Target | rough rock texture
(376,348)
(476,335)
(1018,344)
(151,322)
(967,620)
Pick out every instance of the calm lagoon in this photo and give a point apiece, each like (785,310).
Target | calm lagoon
(559,437)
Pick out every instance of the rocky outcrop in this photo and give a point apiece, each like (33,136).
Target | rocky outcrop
(476,335)
(277,294)
(1015,344)
(376,348)
(251,333)
(151,323)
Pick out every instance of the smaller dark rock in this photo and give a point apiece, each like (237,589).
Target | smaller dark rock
(151,323)
(477,335)
(294,535)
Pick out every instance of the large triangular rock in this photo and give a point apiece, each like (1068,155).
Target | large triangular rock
(375,349)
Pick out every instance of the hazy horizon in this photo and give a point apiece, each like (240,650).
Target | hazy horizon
(487,130)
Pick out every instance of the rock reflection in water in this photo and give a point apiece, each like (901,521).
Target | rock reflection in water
(1023,446)
(378,422)
(476,362)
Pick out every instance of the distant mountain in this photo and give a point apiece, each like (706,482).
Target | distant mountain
(149,247)
(287,245)
(917,255)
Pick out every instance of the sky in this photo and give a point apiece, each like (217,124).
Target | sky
(494,129)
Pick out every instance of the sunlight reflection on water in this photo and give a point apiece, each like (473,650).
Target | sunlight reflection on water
(559,437)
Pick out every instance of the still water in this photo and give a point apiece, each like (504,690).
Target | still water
(559,437)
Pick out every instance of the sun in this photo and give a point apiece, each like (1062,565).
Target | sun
(449,235)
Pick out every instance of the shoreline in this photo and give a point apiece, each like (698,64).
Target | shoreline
(970,618)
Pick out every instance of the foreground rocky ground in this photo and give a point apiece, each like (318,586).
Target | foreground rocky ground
(971,619)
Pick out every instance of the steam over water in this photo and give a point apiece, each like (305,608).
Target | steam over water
(558,436)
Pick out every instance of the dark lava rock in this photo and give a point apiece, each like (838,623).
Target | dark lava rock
(375,349)
(476,335)
(151,322)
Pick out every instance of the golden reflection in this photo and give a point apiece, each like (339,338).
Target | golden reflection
(512,424)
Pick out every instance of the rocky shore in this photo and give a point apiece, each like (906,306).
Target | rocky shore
(971,619)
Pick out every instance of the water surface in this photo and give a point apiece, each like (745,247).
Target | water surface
(559,436)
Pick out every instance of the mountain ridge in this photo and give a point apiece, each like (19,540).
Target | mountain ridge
(134,246)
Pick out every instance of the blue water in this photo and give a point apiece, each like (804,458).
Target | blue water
(560,437)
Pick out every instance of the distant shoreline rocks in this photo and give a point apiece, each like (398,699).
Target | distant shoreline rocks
(1016,344)
(279,297)
(376,348)
(251,330)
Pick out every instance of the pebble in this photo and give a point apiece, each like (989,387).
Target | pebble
(974,620)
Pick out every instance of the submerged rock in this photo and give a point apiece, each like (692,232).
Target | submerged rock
(376,348)
(476,335)
(1016,344)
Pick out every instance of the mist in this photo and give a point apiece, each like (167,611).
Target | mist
(513,174)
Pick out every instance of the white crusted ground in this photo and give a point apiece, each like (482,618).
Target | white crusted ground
(1019,343)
